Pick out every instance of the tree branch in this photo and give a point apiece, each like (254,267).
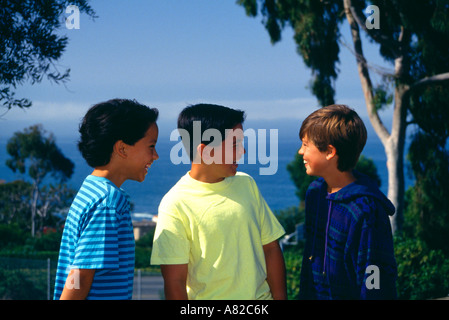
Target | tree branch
(430,80)
(365,79)
(373,33)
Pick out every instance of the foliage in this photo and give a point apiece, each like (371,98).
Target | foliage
(382,96)
(428,202)
(413,37)
(143,250)
(416,30)
(429,158)
(14,199)
(15,242)
(30,44)
(429,108)
(366,166)
(289,218)
(15,285)
(34,152)
(293,261)
(16,204)
(422,272)
(50,241)
(41,151)
(143,257)
(11,235)
(146,240)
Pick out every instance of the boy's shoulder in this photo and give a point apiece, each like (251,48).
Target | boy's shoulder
(364,198)
(188,182)
(98,191)
(316,187)
(361,198)
(187,188)
(243,176)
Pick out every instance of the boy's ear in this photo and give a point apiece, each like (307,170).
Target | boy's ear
(199,153)
(200,150)
(120,149)
(331,152)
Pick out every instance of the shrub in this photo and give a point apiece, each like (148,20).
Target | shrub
(16,286)
(293,262)
(11,235)
(422,273)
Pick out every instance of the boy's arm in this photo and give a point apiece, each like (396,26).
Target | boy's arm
(175,278)
(78,284)
(275,270)
(376,264)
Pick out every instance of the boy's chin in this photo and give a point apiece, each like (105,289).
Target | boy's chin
(139,179)
(231,170)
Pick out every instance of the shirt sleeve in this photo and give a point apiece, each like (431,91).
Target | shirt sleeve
(271,229)
(170,244)
(374,256)
(97,246)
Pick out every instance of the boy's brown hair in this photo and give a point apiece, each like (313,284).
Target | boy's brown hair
(339,126)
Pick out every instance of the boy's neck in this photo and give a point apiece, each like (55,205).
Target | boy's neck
(204,173)
(105,172)
(339,180)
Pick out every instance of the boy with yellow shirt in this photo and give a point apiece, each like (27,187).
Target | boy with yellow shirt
(216,237)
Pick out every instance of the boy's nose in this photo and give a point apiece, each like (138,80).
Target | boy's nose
(301,151)
(155,155)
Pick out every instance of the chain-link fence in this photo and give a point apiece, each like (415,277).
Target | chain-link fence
(31,279)
(26,279)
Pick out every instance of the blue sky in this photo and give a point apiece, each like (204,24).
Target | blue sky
(171,53)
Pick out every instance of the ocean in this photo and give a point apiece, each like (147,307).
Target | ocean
(277,189)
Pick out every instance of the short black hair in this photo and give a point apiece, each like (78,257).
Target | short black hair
(108,122)
(211,116)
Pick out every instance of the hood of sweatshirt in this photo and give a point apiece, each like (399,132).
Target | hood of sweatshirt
(363,186)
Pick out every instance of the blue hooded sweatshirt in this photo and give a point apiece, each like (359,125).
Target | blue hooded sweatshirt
(349,244)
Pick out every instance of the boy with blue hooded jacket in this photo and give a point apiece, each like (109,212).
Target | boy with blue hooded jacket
(349,245)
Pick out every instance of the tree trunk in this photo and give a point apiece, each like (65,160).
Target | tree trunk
(394,150)
(393,142)
(34,209)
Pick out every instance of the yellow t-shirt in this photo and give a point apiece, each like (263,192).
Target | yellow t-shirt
(218,229)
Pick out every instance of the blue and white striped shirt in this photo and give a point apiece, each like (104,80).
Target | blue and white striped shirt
(98,234)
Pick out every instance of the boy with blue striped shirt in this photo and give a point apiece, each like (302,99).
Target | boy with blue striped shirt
(96,258)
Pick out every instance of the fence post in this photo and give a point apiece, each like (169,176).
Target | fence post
(139,286)
(48,278)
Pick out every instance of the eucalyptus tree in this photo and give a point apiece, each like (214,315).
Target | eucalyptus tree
(412,36)
(31,42)
(36,154)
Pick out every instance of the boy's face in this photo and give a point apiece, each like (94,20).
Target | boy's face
(224,157)
(142,154)
(315,161)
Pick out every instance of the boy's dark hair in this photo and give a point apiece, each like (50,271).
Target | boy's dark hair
(108,122)
(340,126)
(211,116)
